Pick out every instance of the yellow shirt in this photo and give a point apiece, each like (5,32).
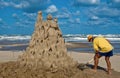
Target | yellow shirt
(102,45)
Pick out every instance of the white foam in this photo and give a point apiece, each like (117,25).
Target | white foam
(18,37)
(79,37)
(68,37)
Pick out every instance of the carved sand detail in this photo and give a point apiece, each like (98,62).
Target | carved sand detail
(47,47)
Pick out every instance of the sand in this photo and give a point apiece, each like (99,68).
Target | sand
(85,57)
(9,68)
(81,57)
(6,56)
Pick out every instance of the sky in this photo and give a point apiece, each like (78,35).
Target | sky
(17,17)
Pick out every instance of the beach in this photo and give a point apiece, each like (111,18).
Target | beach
(10,66)
(79,56)
(48,39)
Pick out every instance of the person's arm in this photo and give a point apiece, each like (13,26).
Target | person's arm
(96,51)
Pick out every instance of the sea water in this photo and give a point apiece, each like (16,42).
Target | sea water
(78,38)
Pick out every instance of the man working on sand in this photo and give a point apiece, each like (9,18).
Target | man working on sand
(102,47)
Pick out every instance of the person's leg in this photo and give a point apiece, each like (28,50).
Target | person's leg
(108,64)
(96,61)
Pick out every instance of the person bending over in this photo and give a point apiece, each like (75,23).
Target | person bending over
(102,47)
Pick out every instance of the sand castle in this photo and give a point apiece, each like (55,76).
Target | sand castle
(47,47)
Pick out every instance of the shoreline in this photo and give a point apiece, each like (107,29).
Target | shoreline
(71,46)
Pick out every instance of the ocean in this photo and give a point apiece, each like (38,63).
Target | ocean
(75,38)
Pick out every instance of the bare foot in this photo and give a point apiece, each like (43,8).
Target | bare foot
(109,72)
(94,70)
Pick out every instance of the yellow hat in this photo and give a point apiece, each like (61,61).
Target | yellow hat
(89,37)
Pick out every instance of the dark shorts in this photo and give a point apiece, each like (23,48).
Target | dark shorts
(108,54)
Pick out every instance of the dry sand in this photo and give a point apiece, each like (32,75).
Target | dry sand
(6,56)
(85,57)
(81,57)
(11,69)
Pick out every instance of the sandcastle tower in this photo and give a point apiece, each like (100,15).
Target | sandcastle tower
(47,46)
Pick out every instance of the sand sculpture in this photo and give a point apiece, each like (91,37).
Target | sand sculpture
(47,47)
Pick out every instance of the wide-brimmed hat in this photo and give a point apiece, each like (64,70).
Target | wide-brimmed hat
(89,37)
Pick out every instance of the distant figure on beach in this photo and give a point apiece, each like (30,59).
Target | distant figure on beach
(102,47)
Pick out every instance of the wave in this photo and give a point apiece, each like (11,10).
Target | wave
(67,37)
(83,37)
(15,37)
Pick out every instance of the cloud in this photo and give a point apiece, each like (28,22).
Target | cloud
(74,21)
(76,13)
(21,5)
(86,2)
(3,25)
(61,23)
(106,12)
(15,16)
(63,15)
(52,9)
(26,5)
(95,18)
(77,20)
(35,5)
(2,3)
(30,16)
(102,23)
(12,4)
(25,24)
(114,3)
(18,18)
(29,20)
(101,16)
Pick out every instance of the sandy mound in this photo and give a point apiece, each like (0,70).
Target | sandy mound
(47,47)
(14,70)
(46,57)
